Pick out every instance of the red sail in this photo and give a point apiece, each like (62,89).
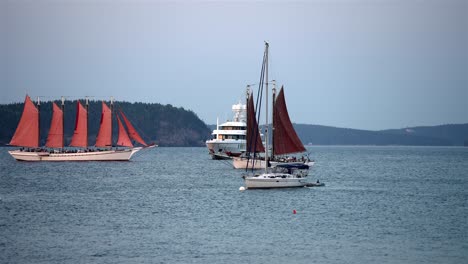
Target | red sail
(55,137)
(104,137)
(80,136)
(123,139)
(285,138)
(27,132)
(254,141)
(132,131)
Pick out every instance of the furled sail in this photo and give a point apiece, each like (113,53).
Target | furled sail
(132,131)
(285,139)
(55,137)
(27,132)
(123,139)
(104,137)
(254,141)
(80,135)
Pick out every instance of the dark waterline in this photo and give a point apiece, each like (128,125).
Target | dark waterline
(175,205)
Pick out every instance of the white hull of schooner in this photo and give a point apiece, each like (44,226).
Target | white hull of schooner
(106,155)
(243,163)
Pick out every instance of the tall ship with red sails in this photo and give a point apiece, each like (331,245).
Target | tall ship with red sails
(27,136)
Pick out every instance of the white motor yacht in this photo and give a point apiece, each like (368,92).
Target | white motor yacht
(228,139)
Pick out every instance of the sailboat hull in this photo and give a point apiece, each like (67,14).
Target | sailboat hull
(308,163)
(107,155)
(273,180)
(241,163)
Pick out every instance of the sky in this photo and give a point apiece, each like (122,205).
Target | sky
(365,64)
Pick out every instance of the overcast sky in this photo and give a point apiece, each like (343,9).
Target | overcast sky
(368,64)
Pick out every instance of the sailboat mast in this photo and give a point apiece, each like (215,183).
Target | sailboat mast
(247,147)
(266,106)
(87,121)
(38,122)
(273,121)
(247,94)
(112,112)
(63,122)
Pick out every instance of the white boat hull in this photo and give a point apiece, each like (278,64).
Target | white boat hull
(228,147)
(308,163)
(220,156)
(241,163)
(273,180)
(107,155)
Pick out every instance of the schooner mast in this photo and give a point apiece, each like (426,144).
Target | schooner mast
(266,106)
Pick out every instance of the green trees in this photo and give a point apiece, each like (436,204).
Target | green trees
(164,125)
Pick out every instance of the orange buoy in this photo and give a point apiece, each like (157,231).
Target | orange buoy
(294,211)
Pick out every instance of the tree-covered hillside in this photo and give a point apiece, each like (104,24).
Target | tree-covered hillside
(456,134)
(325,135)
(443,135)
(164,125)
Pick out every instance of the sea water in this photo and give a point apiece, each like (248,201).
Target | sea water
(175,205)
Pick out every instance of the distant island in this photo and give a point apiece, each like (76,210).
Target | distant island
(171,126)
(164,125)
(442,135)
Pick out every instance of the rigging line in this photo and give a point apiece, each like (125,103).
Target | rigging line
(71,96)
(254,129)
(261,84)
(258,106)
(260,94)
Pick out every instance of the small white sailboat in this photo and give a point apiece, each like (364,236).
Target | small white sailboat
(27,136)
(285,140)
(281,176)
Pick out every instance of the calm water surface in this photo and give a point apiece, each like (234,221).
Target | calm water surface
(175,205)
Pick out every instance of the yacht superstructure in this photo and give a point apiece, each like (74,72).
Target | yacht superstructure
(229,138)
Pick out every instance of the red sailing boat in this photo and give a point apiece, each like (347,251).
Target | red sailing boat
(285,141)
(27,136)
